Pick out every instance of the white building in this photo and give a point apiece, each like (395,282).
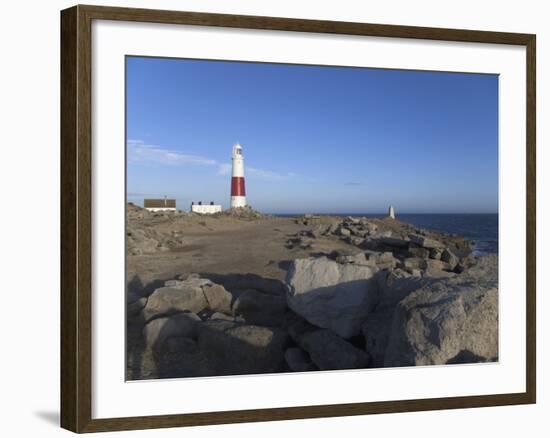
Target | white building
(205,208)
(160,204)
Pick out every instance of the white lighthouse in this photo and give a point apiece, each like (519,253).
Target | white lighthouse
(238,194)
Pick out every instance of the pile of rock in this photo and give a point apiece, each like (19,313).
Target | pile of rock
(147,240)
(245,213)
(308,219)
(397,296)
(304,239)
(358,316)
(134,212)
(435,320)
(416,251)
(142,234)
(353,230)
(195,327)
(337,312)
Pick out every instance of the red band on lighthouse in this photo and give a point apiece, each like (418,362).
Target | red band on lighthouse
(237,186)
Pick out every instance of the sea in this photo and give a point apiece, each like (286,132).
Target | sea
(481,229)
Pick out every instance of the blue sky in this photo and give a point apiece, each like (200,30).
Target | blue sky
(315,139)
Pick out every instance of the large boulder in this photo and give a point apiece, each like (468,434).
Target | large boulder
(448,320)
(371,228)
(235,283)
(396,242)
(135,306)
(180,356)
(332,295)
(343,231)
(260,308)
(192,294)
(217,298)
(425,242)
(298,360)
(450,257)
(353,257)
(394,286)
(382,260)
(188,295)
(157,331)
(225,317)
(419,252)
(438,269)
(233,348)
(296,326)
(330,352)
(414,263)
(138,242)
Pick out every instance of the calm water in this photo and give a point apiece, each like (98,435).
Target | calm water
(482,229)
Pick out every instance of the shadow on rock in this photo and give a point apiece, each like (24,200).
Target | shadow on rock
(137,288)
(174,340)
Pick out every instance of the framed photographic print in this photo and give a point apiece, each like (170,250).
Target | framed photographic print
(305,218)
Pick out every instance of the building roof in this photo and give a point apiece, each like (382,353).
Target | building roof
(159,203)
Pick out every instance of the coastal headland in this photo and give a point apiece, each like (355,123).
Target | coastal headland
(239,292)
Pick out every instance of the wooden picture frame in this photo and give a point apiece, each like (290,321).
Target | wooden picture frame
(76,217)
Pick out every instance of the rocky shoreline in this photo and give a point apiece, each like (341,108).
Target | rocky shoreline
(351,293)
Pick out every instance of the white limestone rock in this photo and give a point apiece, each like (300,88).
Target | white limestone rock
(332,295)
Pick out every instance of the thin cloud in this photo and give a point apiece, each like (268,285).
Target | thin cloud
(268,174)
(352,183)
(139,151)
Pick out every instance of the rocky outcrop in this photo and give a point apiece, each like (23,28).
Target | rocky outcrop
(144,236)
(217,298)
(236,283)
(180,356)
(374,259)
(193,295)
(257,307)
(332,295)
(437,321)
(382,260)
(233,348)
(157,331)
(298,360)
(330,352)
(395,242)
(394,286)
(138,242)
(437,269)
(375,293)
(425,242)
(300,242)
(134,304)
(242,213)
(450,258)
(169,300)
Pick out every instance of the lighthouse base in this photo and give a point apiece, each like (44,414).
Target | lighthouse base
(238,201)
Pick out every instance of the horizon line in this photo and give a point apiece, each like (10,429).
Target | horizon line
(381,213)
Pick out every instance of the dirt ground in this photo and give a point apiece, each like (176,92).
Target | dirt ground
(226,245)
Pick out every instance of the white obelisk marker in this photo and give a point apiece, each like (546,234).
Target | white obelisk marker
(238,194)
